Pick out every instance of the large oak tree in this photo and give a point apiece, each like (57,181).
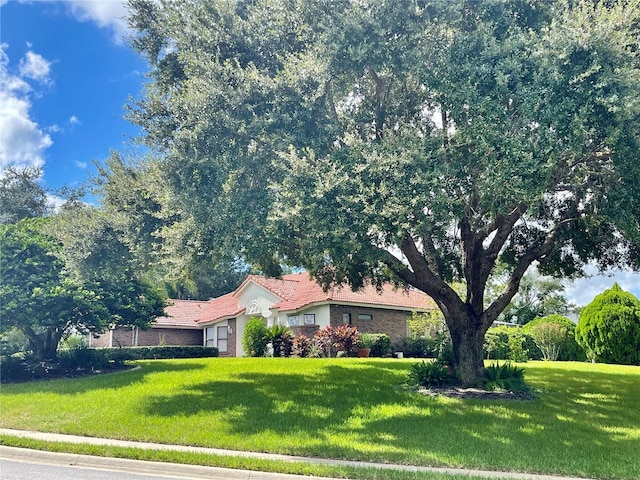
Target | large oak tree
(418,141)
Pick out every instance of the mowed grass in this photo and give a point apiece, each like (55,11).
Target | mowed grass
(584,422)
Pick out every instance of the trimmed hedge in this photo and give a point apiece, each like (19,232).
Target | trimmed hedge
(159,352)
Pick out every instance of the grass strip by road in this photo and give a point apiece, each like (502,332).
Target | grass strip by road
(224,461)
(584,421)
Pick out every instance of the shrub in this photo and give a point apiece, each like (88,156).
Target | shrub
(280,338)
(422,347)
(84,357)
(568,348)
(330,339)
(322,342)
(505,377)
(509,343)
(609,327)
(381,346)
(12,368)
(301,346)
(517,352)
(427,374)
(366,340)
(344,338)
(158,352)
(254,342)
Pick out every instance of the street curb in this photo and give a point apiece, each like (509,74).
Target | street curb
(56,437)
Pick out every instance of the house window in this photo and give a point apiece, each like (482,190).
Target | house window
(309,318)
(365,316)
(208,337)
(223,335)
(346,318)
(293,320)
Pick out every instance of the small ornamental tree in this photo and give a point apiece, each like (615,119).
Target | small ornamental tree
(609,327)
(549,337)
(568,348)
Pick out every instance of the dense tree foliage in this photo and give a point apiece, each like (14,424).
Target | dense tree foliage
(51,289)
(609,327)
(413,141)
(35,296)
(164,240)
(21,195)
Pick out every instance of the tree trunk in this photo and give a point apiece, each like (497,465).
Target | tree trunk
(43,346)
(468,358)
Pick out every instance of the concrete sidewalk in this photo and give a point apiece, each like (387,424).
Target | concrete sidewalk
(241,474)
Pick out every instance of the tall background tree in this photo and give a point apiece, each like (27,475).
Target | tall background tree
(21,195)
(166,245)
(422,142)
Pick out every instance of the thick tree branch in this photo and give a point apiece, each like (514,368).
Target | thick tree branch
(331,104)
(513,283)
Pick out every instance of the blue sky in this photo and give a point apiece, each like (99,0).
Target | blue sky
(66,73)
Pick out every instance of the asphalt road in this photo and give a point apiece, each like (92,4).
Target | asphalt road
(14,470)
(23,464)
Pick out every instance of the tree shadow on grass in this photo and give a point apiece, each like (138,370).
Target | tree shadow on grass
(112,380)
(366,407)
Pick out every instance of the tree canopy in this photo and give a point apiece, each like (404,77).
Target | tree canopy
(21,195)
(421,142)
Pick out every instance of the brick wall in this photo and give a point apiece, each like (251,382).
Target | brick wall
(391,322)
(307,330)
(231,340)
(122,337)
(168,336)
(99,341)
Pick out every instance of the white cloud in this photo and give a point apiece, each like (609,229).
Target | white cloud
(584,290)
(73,120)
(22,140)
(109,14)
(81,165)
(35,66)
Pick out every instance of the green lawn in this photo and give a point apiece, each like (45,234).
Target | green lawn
(585,421)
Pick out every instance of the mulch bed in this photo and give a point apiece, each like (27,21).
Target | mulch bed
(475,393)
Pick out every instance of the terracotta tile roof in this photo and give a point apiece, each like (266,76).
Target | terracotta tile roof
(282,288)
(221,307)
(181,313)
(299,290)
(309,291)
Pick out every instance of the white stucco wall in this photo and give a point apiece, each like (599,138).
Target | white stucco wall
(321,313)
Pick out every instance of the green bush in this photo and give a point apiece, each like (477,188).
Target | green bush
(510,343)
(609,327)
(422,347)
(381,345)
(12,368)
(84,357)
(427,374)
(569,349)
(281,339)
(158,352)
(254,341)
(506,377)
